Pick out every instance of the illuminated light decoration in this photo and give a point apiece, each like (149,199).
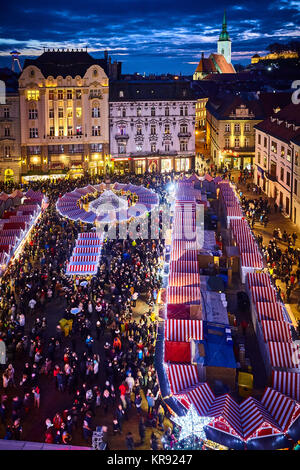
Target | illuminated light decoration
(192,424)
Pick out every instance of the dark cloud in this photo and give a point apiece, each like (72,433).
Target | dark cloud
(156,35)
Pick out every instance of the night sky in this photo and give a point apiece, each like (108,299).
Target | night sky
(156,36)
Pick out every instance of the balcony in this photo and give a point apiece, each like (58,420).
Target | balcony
(271,176)
(184,134)
(63,137)
(239,149)
(121,136)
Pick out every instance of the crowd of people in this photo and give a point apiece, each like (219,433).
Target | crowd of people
(104,359)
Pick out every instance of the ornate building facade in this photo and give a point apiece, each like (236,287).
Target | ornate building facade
(64,114)
(10,150)
(152,126)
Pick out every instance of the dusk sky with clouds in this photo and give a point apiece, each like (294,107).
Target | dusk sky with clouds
(156,36)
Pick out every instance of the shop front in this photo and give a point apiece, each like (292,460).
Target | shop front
(166,165)
(235,161)
(140,166)
(153,165)
(182,164)
(121,166)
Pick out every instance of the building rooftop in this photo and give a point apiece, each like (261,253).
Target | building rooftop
(65,63)
(156,90)
(284,125)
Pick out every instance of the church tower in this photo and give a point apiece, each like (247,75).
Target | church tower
(224,43)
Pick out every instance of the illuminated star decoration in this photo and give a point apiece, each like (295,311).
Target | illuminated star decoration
(192,424)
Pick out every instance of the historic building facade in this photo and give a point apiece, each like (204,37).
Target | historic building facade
(10,150)
(64,114)
(277,165)
(230,131)
(152,126)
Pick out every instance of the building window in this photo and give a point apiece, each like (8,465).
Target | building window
(7,151)
(78,112)
(6,113)
(282,151)
(51,113)
(258,157)
(152,111)
(183,128)
(33,95)
(181,110)
(183,146)
(121,94)
(70,130)
(274,146)
(51,94)
(288,178)
(296,187)
(167,128)
(51,131)
(237,142)
(282,174)
(138,112)
(186,111)
(289,155)
(78,94)
(121,148)
(123,112)
(227,127)
(296,158)
(61,130)
(265,162)
(69,94)
(167,111)
(33,132)
(96,130)
(138,129)
(246,142)
(33,114)
(167,147)
(6,131)
(96,147)
(153,147)
(153,129)
(138,148)
(227,143)
(96,112)
(247,127)
(259,139)
(265,142)
(79,130)
(237,128)
(69,112)
(60,112)
(60,94)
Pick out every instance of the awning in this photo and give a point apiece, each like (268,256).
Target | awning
(182,377)
(183,330)
(287,383)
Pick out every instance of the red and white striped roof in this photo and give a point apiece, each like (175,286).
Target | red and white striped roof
(183,330)
(89,242)
(258,279)
(89,235)
(226,414)
(183,295)
(282,408)
(284,355)
(287,383)
(182,376)
(269,311)
(82,268)
(276,331)
(183,279)
(263,294)
(184,266)
(87,250)
(201,397)
(84,259)
(256,420)
(252,260)
(184,251)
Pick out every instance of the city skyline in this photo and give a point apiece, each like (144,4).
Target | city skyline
(158,38)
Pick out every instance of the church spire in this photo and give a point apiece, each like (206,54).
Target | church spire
(224,36)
